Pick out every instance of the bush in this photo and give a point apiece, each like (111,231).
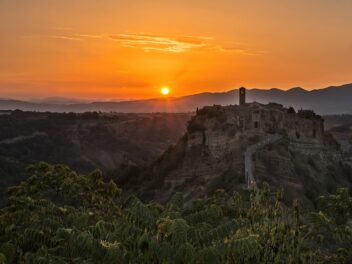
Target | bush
(104,226)
(226,181)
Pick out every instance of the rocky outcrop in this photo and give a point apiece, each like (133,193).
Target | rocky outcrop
(248,157)
(217,138)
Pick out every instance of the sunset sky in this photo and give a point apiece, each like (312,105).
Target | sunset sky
(115,49)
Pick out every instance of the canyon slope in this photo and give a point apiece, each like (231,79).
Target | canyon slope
(303,159)
(84,142)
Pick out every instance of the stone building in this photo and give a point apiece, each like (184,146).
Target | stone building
(259,119)
(274,118)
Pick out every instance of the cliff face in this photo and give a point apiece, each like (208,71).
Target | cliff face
(305,161)
(342,132)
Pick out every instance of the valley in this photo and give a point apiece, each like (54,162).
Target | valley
(144,152)
(84,142)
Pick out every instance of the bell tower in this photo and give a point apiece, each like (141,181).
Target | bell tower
(242,95)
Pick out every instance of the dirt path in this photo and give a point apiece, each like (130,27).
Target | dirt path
(248,162)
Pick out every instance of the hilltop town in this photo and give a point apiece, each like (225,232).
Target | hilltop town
(237,146)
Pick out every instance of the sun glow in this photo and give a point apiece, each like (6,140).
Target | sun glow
(165,91)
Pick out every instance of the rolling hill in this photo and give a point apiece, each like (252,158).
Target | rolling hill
(330,100)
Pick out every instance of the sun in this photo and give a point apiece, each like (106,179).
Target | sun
(165,91)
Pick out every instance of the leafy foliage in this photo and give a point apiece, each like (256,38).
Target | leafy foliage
(58,216)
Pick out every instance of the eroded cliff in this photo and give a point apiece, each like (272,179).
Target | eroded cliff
(305,161)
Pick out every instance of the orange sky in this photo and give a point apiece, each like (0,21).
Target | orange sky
(116,49)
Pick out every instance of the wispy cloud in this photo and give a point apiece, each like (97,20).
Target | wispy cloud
(149,42)
(62,37)
(59,28)
(238,49)
(162,43)
(74,38)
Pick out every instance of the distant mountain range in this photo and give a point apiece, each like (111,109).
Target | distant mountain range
(58,100)
(330,100)
(67,101)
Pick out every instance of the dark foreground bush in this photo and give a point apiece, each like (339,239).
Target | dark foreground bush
(57,216)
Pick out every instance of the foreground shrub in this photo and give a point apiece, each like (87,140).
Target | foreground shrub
(57,216)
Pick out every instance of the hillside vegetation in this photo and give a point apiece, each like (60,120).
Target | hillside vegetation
(58,216)
(82,141)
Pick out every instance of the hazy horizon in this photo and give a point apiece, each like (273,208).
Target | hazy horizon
(157,96)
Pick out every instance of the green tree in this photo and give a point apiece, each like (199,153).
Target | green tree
(58,216)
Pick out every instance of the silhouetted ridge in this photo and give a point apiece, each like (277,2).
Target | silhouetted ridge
(330,100)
